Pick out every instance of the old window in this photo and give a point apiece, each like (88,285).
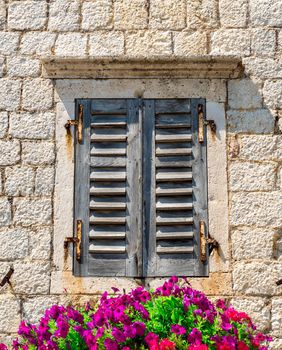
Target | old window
(140,187)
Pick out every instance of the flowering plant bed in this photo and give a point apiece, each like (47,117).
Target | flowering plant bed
(174,316)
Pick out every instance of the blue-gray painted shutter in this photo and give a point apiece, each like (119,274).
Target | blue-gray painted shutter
(175,188)
(108,188)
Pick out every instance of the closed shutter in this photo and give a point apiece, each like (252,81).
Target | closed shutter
(140,188)
(109,188)
(175,188)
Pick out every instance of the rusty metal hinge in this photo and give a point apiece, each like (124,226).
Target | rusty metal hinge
(202,122)
(206,241)
(203,241)
(7,277)
(75,240)
(77,123)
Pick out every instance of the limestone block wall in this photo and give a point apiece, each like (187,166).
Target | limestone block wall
(32,29)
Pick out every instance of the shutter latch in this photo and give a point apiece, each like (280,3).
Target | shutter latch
(78,123)
(75,240)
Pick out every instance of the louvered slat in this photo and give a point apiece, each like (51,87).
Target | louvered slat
(173,138)
(174,235)
(108,176)
(174,176)
(106,249)
(175,250)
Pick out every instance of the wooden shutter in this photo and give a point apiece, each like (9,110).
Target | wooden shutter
(108,188)
(175,188)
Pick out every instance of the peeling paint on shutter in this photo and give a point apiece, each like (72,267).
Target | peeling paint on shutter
(175,193)
(107,199)
(140,188)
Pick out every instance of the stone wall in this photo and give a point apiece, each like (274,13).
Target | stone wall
(250,29)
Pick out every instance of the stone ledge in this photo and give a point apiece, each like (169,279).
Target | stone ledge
(205,66)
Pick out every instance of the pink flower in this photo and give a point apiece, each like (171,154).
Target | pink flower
(166,344)
(151,338)
(3,347)
(242,346)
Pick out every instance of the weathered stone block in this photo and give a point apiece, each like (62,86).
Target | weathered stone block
(263,68)
(34,308)
(106,43)
(39,43)
(40,244)
(44,181)
(37,94)
(252,243)
(19,181)
(256,278)
(2,14)
(14,243)
(130,14)
(3,124)
(272,94)
(243,94)
(9,313)
(2,65)
(259,121)
(9,152)
(190,43)
(263,42)
(233,14)
(148,43)
(260,209)
(71,44)
(276,317)
(23,67)
(97,14)
(265,13)
(168,14)
(257,308)
(33,211)
(276,344)
(202,14)
(39,153)
(10,92)
(261,147)
(244,176)
(5,212)
(9,42)
(31,278)
(63,15)
(32,125)
(231,42)
(24,15)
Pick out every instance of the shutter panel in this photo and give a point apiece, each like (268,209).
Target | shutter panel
(175,193)
(108,188)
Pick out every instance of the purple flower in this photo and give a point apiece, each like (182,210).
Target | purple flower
(63,327)
(177,329)
(118,335)
(195,336)
(110,344)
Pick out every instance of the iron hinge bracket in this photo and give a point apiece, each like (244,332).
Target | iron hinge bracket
(78,123)
(7,277)
(76,241)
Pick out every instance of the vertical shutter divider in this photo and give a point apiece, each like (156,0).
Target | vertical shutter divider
(82,185)
(134,190)
(149,189)
(199,186)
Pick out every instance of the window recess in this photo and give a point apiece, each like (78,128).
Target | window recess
(141,187)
